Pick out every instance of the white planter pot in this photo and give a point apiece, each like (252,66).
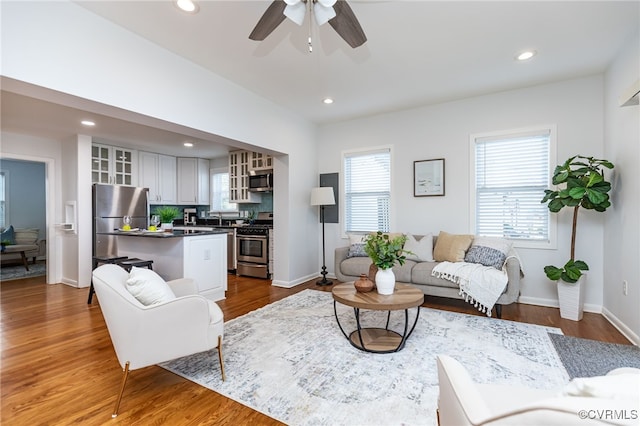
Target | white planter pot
(166,226)
(385,281)
(571,298)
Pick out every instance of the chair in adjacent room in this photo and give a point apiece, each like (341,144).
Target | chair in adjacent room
(186,324)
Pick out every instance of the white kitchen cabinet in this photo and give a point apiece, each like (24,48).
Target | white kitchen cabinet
(260,161)
(158,173)
(193,181)
(239,179)
(113,165)
(202,258)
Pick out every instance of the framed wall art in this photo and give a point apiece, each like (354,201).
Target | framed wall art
(428,178)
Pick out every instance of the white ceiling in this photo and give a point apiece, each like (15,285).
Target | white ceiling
(417,53)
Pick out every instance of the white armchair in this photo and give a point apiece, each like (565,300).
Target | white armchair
(147,335)
(461,402)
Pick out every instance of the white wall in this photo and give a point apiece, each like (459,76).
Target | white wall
(622,227)
(95,60)
(442,131)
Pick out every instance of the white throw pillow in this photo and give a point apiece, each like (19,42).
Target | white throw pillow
(422,250)
(148,287)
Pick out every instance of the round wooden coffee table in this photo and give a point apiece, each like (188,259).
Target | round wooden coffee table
(378,340)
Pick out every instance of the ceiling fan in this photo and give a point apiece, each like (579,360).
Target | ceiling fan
(337,12)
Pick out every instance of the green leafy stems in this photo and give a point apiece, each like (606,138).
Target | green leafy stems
(385,251)
(582,184)
(167,213)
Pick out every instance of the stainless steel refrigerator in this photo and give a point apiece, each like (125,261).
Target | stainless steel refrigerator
(110,204)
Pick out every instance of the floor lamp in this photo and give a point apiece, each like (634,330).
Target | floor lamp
(323,196)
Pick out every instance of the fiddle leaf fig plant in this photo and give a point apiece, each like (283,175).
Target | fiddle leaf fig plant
(581,183)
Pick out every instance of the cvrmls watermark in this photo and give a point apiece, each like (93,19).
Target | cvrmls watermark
(608,414)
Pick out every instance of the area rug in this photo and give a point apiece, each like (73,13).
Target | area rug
(14,272)
(290,361)
(589,358)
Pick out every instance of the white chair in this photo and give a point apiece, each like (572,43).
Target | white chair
(147,335)
(461,402)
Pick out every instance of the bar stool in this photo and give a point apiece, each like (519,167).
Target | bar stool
(129,263)
(98,260)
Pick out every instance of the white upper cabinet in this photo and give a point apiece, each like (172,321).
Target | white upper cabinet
(239,179)
(113,165)
(158,173)
(193,181)
(260,161)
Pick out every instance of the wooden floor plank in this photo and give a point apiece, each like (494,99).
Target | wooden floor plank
(58,366)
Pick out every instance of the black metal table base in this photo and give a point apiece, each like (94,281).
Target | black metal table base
(390,340)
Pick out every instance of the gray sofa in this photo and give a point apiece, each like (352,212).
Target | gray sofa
(419,274)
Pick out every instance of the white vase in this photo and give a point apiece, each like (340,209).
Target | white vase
(385,281)
(167,227)
(571,298)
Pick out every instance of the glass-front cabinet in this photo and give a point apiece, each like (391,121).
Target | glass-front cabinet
(239,179)
(113,165)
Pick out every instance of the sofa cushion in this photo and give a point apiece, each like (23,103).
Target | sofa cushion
(421,274)
(488,251)
(451,247)
(422,249)
(148,287)
(403,272)
(354,266)
(8,235)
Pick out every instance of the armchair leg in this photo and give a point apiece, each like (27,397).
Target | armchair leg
(125,375)
(220,357)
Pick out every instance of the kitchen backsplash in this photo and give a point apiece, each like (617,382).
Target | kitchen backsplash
(265,206)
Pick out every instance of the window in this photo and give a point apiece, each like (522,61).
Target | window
(367,187)
(510,172)
(220,191)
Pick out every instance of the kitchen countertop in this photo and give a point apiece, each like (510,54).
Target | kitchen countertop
(174,234)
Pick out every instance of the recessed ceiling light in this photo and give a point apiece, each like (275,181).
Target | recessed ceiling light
(327,101)
(527,54)
(187,5)
(88,123)
(188,144)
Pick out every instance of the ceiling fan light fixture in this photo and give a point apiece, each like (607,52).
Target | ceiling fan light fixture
(327,101)
(188,145)
(295,12)
(323,13)
(187,5)
(88,123)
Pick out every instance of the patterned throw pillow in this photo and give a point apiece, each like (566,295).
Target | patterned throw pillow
(356,250)
(488,251)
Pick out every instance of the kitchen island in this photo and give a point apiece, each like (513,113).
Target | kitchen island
(200,255)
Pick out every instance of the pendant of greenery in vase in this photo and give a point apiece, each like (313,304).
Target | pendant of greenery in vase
(385,252)
(581,184)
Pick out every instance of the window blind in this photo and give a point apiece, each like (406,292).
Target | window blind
(367,190)
(511,175)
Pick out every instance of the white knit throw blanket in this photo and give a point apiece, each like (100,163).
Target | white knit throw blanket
(480,285)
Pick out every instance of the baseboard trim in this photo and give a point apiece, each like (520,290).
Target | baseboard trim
(622,328)
(291,284)
(553,303)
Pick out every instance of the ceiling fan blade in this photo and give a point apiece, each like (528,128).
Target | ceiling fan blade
(346,24)
(272,17)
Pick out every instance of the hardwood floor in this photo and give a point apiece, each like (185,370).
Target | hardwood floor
(59,368)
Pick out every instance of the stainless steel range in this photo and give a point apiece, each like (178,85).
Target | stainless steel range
(252,247)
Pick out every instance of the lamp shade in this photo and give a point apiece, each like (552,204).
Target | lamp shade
(322,196)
